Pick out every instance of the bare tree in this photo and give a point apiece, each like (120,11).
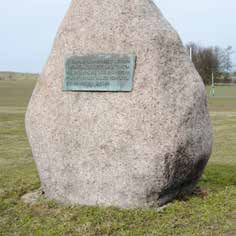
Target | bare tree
(208,60)
(226,61)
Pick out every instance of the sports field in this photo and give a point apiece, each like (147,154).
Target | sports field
(223,91)
(211,211)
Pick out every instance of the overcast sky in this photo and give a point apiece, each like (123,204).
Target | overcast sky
(28,27)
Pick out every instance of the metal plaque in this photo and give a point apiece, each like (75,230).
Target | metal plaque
(101,72)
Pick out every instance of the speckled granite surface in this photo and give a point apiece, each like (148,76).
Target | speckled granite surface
(134,149)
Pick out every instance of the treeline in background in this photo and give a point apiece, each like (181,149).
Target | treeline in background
(212,61)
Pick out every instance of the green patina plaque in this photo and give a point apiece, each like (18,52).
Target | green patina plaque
(99,72)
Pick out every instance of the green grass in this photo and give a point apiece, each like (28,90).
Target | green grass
(17,76)
(15,94)
(224,91)
(224,99)
(211,212)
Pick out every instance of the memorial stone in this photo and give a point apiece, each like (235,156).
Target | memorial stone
(119,115)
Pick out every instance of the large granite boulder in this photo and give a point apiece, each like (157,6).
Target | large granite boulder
(134,149)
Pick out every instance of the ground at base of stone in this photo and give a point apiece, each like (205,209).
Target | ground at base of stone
(33,197)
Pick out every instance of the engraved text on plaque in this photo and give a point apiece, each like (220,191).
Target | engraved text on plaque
(99,72)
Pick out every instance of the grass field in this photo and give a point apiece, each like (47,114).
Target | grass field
(211,212)
(224,91)
(17,76)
